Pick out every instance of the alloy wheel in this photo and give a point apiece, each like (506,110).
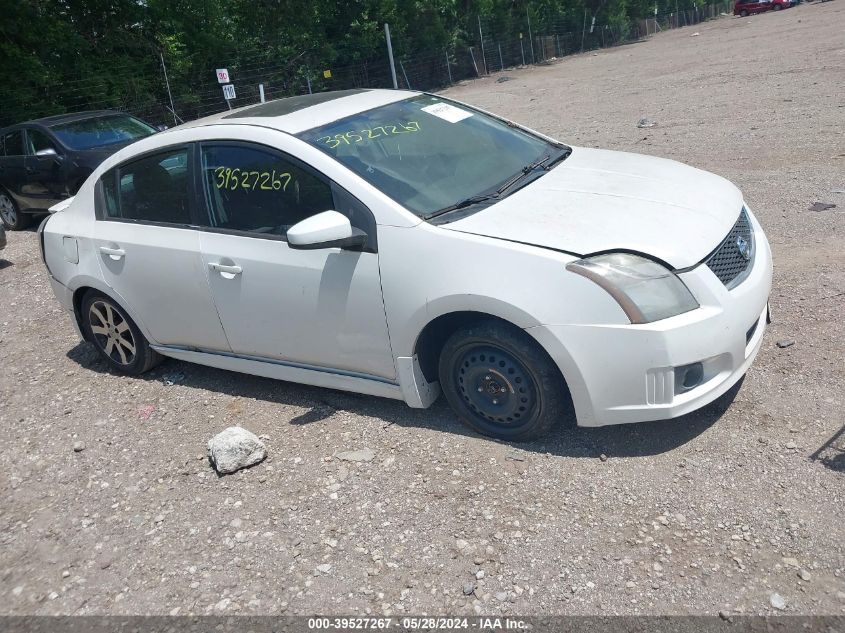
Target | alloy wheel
(496,386)
(7,210)
(112,332)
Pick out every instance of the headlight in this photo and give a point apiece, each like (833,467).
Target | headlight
(645,290)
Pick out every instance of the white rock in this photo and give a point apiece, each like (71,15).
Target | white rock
(235,448)
(363,455)
(777,601)
(325,568)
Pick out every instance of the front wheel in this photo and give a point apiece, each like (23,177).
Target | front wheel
(743,13)
(116,336)
(501,383)
(11,216)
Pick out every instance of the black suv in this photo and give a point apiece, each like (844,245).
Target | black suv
(45,161)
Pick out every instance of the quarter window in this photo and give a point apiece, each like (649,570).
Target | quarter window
(13,144)
(153,189)
(259,191)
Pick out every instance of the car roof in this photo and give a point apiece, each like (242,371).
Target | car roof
(297,114)
(70,117)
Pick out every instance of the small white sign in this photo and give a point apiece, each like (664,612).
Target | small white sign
(222,76)
(447,112)
(229,92)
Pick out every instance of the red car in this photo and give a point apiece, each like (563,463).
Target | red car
(747,7)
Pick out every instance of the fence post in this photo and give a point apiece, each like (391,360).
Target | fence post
(474,65)
(448,68)
(308,79)
(390,56)
(530,37)
(522,49)
(557,40)
(583,30)
(483,56)
(404,74)
(501,61)
(167,83)
(261,92)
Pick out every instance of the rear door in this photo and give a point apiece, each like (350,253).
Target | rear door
(13,176)
(313,308)
(149,253)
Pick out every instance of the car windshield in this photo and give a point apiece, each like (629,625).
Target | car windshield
(101,131)
(429,154)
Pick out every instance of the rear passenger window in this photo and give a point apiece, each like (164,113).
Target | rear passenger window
(259,191)
(13,144)
(153,189)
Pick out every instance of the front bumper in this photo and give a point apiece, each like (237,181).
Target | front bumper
(618,374)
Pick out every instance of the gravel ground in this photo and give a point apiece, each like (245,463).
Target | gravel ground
(716,511)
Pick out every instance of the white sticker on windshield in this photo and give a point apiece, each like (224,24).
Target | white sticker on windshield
(447,112)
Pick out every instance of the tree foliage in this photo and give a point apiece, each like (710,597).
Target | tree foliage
(66,55)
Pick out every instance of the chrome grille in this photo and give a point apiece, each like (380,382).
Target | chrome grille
(727,261)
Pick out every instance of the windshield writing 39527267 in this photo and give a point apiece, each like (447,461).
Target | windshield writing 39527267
(368,134)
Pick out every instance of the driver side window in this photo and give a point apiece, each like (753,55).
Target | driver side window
(257,190)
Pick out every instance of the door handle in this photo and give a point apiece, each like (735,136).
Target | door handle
(223,268)
(114,253)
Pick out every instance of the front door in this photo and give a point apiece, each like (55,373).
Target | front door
(149,252)
(45,174)
(315,308)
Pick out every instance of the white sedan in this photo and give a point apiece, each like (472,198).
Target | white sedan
(398,244)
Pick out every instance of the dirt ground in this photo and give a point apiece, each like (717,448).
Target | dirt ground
(716,511)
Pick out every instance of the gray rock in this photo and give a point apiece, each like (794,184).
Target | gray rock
(235,448)
(469,587)
(325,568)
(78,447)
(777,601)
(804,575)
(785,343)
(646,123)
(822,206)
(363,455)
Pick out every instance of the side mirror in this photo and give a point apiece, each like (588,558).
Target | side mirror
(161,128)
(328,229)
(46,152)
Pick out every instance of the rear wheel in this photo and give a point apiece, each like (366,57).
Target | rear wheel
(743,13)
(116,336)
(11,216)
(501,383)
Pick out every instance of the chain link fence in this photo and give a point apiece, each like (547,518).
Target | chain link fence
(496,48)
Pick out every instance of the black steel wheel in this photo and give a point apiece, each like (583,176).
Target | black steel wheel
(116,336)
(501,383)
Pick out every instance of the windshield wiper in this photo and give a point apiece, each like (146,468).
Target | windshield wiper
(462,204)
(525,171)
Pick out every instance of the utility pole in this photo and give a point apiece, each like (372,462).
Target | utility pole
(390,56)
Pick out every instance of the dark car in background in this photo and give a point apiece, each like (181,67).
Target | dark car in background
(45,161)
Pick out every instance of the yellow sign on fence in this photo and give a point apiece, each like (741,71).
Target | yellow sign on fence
(327,74)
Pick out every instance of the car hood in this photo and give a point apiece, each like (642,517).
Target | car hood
(600,200)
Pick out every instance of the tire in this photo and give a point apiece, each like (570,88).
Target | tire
(743,13)
(501,383)
(778,7)
(116,336)
(11,215)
